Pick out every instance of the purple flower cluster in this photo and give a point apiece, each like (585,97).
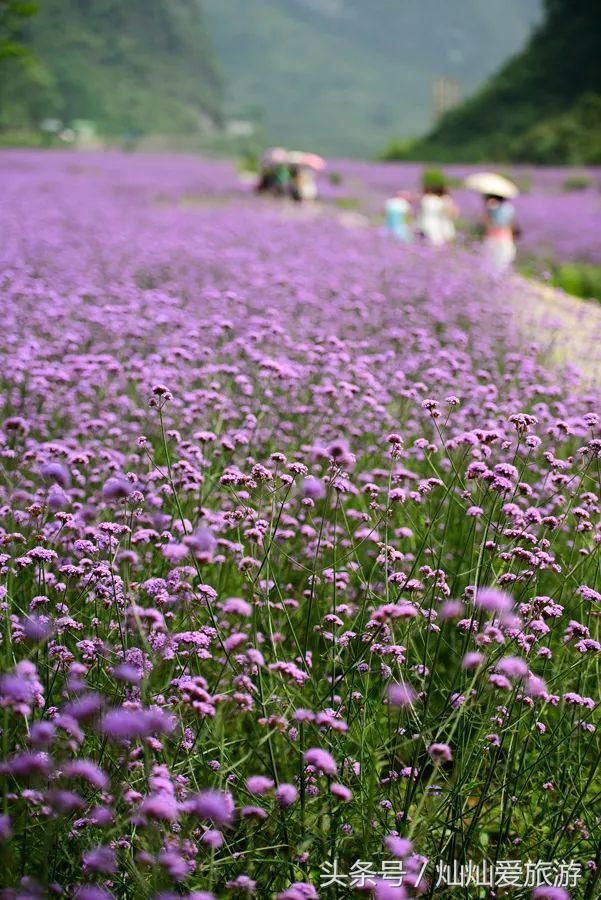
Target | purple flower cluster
(299,548)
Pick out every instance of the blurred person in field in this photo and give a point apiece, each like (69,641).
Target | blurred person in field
(281,180)
(296,184)
(500,232)
(309,185)
(437,210)
(273,179)
(399,213)
(274,174)
(302,184)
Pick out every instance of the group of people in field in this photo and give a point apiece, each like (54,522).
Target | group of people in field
(432,217)
(289,173)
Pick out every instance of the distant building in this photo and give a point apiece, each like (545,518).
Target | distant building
(446,94)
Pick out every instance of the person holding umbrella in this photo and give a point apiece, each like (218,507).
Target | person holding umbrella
(499,217)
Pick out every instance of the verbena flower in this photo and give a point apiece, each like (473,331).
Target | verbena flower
(286,794)
(440,753)
(401,694)
(493,600)
(321,760)
(259,784)
(215,806)
(117,488)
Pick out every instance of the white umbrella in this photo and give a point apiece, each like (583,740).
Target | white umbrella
(314,161)
(310,160)
(491,183)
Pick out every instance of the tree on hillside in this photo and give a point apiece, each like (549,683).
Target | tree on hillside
(127,65)
(12,15)
(21,72)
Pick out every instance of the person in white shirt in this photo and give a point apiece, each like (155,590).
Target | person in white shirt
(437,213)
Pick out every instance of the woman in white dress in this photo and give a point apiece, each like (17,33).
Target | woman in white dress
(437,214)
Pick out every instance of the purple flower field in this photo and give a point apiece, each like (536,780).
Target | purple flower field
(299,544)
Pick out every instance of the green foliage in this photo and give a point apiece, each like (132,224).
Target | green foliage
(544,106)
(433,180)
(572,137)
(141,66)
(580,279)
(15,56)
(351,203)
(12,15)
(396,151)
(249,162)
(577,183)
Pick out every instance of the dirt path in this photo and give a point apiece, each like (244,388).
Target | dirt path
(568,328)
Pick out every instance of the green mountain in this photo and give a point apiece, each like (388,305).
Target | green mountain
(543,106)
(343,76)
(128,65)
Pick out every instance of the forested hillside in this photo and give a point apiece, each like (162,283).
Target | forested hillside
(141,65)
(544,106)
(343,76)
